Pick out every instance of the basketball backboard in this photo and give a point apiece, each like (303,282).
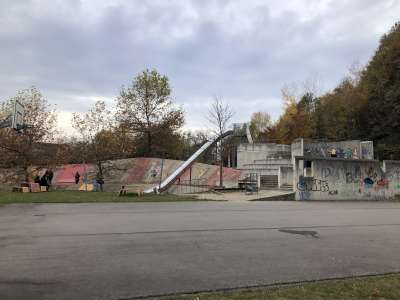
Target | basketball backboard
(17,118)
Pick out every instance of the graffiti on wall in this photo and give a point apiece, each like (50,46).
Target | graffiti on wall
(350,181)
(367,150)
(393,174)
(329,172)
(307,185)
(329,150)
(353,175)
(350,175)
(312,185)
(304,195)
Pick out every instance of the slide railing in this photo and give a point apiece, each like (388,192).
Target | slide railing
(167,182)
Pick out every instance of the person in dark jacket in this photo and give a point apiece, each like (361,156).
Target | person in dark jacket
(44,181)
(100,181)
(122,191)
(50,175)
(77,177)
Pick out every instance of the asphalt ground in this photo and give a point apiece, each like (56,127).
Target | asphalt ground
(127,250)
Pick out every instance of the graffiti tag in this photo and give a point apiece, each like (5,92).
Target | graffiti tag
(313,185)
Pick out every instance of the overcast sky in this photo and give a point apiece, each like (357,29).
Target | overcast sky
(78,51)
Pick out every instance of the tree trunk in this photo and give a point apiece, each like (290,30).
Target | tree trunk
(221,174)
(100,167)
(149,146)
(100,178)
(221,167)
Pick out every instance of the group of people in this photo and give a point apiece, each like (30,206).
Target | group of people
(46,179)
(97,183)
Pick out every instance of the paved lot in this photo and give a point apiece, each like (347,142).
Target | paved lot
(102,251)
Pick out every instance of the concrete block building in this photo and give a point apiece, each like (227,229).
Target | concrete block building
(267,160)
(320,170)
(342,171)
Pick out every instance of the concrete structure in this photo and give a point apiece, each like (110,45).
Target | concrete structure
(285,177)
(320,170)
(135,173)
(391,169)
(354,149)
(342,170)
(264,159)
(274,163)
(345,149)
(346,179)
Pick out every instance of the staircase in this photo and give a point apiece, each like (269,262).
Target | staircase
(269,182)
(286,187)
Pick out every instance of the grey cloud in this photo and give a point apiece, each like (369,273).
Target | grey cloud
(241,51)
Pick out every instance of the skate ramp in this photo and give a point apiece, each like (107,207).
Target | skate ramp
(135,173)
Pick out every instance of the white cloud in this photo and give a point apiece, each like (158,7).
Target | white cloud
(64,123)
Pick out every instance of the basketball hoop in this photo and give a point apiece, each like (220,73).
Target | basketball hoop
(16,119)
(17,122)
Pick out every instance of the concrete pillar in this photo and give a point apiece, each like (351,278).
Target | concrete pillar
(279,177)
(295,174)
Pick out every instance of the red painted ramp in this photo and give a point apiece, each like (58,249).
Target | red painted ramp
(67,174)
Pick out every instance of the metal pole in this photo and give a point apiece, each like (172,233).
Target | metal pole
(161,171)
(85,175)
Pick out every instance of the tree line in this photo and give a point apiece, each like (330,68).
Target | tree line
(144,122)
(365,105)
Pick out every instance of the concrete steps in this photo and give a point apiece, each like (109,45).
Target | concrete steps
(287,187)
(269,181)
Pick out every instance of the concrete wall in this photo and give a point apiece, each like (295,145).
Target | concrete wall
(263,158)
(297,149)
(285,176)
(344,179)
(367,150)
(392,173)
(345,149)
(251,153)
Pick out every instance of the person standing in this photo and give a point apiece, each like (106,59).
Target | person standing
(50,175)
(100,181)
(44,181)
(122,191)
(77,177)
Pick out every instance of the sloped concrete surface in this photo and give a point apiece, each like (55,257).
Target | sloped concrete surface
(130,171)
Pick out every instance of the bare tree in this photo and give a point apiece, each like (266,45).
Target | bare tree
(96,130)
(31,146)
(294,91)
(219,117)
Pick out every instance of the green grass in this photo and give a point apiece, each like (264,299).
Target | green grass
(86,197)
(375,287)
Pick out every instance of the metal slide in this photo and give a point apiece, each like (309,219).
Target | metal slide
(167,182)
(248,134)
